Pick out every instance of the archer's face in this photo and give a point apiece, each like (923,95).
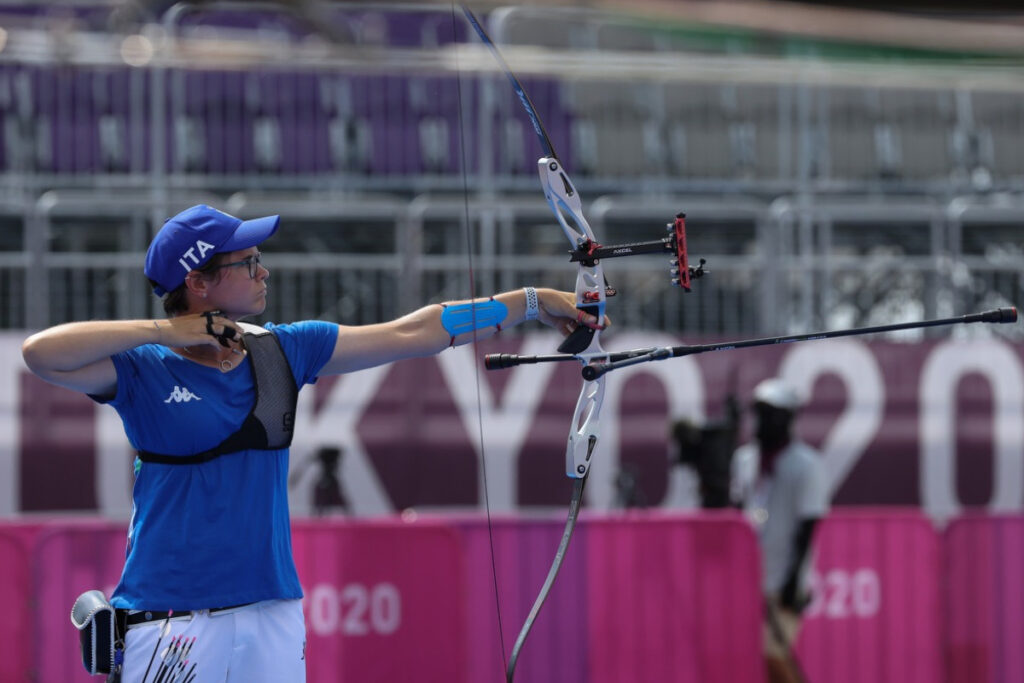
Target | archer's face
(240,289)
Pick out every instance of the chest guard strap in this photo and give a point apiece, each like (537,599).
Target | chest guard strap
(271,422)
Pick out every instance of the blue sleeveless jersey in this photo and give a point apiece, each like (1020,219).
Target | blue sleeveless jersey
(215,534)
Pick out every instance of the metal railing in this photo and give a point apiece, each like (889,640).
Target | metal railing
(807,185)
(777,268)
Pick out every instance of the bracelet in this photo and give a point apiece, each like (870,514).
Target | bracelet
(532,309)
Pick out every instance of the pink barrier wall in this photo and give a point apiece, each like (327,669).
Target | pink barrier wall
(641,598)
(16,597)
(644,597)
(523,549)
(877,612)
(382,601)
(69,559)
(673,600)
(984,559)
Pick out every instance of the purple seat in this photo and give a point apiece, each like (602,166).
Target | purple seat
(112,99)
(211,132)
(293,104)
(384,102)
(349,143)
(413,27)
(434,111)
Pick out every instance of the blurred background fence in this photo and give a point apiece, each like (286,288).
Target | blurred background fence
(824,187)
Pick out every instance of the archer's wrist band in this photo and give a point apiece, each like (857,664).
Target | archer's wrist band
(532,310)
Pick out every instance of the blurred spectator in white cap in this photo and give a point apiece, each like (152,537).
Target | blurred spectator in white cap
(780,483)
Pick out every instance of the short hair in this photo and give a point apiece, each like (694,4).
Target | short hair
(175,302)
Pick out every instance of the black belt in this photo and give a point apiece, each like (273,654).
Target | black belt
(151,616)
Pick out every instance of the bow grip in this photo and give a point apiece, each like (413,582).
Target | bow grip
(580,338)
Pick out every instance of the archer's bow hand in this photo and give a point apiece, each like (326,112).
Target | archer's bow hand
(558,310)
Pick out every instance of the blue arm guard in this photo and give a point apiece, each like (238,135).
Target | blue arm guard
(463,318)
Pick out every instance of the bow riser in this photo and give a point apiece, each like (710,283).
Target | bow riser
(566,205)
(585,430)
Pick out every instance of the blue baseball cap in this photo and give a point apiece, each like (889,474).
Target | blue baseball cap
(191,238)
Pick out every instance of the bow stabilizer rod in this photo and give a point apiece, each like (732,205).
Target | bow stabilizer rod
(998,315)
(613,360)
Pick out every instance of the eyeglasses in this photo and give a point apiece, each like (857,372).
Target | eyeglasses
(253,263)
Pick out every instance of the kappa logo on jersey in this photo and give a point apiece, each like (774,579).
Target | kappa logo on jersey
(182,395)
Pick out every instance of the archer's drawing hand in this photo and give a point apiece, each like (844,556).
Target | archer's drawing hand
(209,328)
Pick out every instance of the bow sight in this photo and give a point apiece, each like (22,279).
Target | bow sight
(589,252)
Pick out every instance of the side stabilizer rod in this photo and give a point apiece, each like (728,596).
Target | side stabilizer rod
(621,359)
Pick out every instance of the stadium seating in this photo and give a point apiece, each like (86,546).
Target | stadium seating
(998,119)
(694,127)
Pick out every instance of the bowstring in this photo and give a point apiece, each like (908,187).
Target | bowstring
(463,154)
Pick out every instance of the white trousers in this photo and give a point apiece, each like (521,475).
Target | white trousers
(260,643)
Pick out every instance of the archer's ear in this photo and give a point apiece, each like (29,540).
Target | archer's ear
(196,284)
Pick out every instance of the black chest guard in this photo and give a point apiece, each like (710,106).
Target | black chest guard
(270,423)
